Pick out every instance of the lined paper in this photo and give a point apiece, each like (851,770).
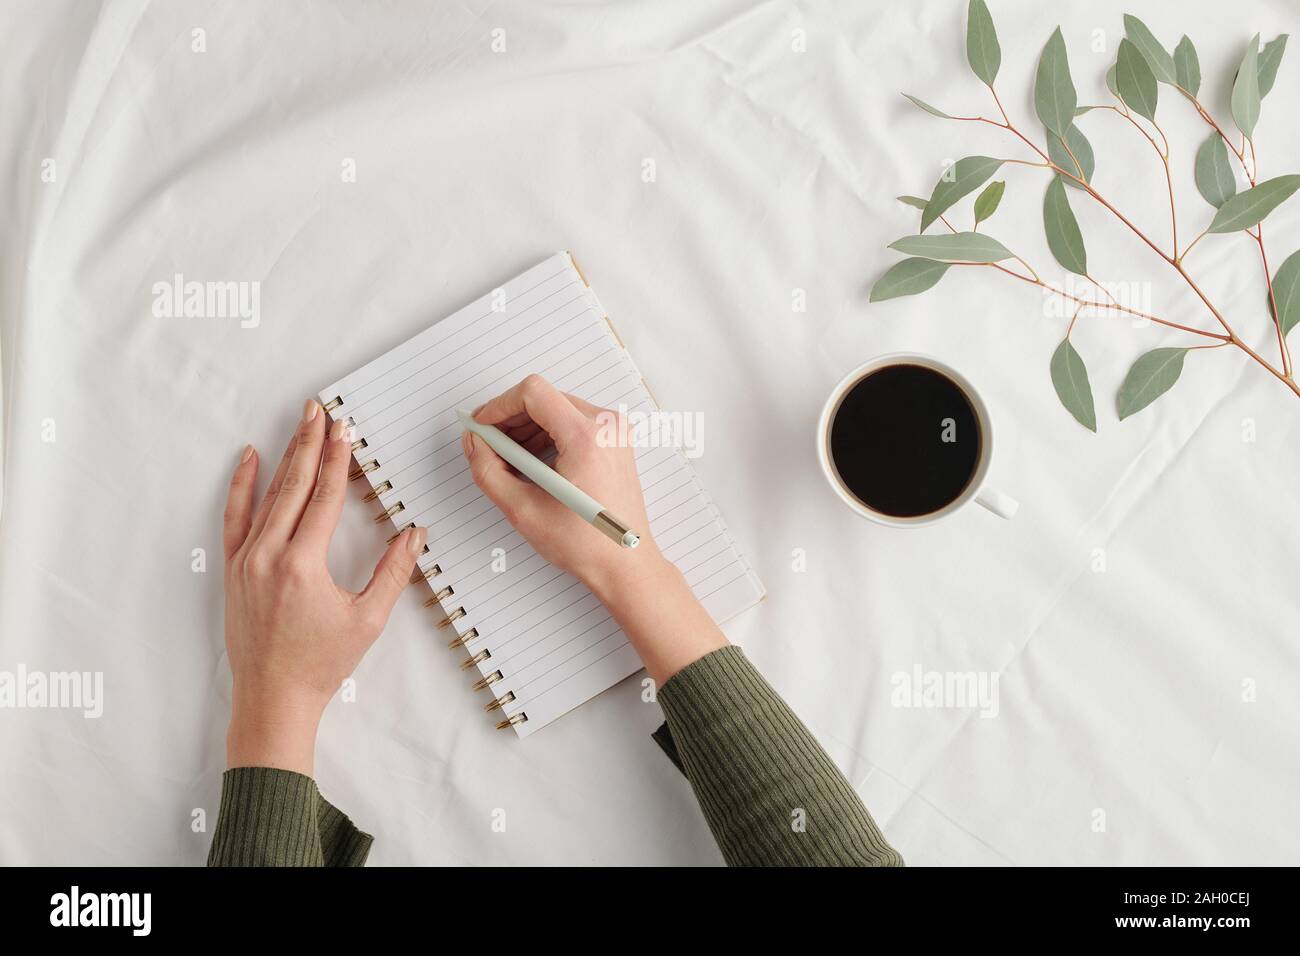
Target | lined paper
(552,643)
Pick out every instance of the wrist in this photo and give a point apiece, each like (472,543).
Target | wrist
(658,611)
(283,737)
(631,574)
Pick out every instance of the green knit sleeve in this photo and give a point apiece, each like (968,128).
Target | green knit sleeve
(770,794)
(275,817)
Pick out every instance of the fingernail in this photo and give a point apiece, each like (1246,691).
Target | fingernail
(415,540)
(340,430)
(248,453)
(309,410)
(467,444)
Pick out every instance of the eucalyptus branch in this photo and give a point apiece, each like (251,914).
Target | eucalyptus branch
(1114,304)
(1142,66)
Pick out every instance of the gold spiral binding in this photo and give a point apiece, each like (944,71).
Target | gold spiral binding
(390,512)
(464,639)
(488,681)
(455,615)
(409,524)
(440,596)
(369,466)
(419,574)
(359,444)
(477,659)
(333,403)
(379,490)
(519,718)
(500,702)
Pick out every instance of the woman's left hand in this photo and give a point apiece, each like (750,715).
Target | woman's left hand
(292,634)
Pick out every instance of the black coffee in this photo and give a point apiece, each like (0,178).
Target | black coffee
(905,440)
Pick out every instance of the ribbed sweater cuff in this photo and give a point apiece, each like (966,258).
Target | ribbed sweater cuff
(272,817)
(769,792)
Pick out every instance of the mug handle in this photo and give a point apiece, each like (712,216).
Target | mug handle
(1004,506)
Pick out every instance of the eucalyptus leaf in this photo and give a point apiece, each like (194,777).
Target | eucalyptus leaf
(1157,57)
(1214,176)
(1063,235)
(957,247)
(1070,379)
(1054,95)
(1270,58)
(1286,290)
(982,50)
(908,278)
(1247,209)
(1137,84)
(1110,81)
(1151,376)
(1245,90)
(986,203)
(1082,150)
(1187,66)
(961,179)
(933,111)
(916,201)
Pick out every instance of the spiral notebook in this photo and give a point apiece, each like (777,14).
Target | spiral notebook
(537,640)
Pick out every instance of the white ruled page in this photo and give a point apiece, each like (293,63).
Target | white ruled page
(551,642)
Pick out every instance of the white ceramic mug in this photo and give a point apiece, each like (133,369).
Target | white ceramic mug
(976,489)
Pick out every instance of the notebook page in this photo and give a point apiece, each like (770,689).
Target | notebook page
(545,642)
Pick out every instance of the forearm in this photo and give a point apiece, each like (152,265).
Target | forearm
(655,607)
(770,793)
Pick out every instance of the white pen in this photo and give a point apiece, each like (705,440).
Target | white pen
(551,481)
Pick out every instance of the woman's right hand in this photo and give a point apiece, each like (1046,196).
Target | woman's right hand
(644,591)
(538,415)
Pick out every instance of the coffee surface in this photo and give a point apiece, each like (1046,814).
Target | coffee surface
(905,440)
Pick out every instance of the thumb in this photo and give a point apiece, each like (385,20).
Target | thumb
(393,572)
(502,487)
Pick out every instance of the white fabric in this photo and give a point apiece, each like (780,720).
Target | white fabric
(1121,692)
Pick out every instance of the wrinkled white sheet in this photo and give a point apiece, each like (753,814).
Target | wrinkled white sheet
(1121,692)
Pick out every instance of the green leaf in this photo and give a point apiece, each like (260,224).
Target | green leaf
(1157,57)
(1082,150)
(1214,176)
(986,203)
(908,278)
(1150,377)
(933,111)
(1063,235)
(1286,290)
(1054,96)
(1270,58)
(959,180)
(1137,84)
(1110,81)
(1187,66)
(1245,90)
(982,50)
(958,247)
(1070,379)
(1245,210)
(916,201)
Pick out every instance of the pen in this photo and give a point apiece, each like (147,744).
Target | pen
(551,481)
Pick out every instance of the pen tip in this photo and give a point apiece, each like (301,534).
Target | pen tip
(464,416)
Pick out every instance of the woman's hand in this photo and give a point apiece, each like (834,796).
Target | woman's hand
(644,592)
(537,415)
(292,634)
